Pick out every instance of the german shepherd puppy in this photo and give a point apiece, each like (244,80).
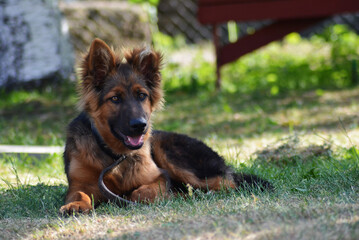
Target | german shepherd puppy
(117,96)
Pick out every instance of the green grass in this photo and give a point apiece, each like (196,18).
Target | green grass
(314,197)
(36,117)
(271,119)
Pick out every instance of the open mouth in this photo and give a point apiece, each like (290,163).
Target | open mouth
(132,142)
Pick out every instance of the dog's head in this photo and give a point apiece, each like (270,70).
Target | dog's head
(120,94)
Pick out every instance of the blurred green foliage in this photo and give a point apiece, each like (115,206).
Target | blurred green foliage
(152,2)
(323,61)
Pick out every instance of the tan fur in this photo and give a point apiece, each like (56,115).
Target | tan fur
(136,58)
(138,178)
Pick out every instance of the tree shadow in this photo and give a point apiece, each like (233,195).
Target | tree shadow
(31,201)
(27,208)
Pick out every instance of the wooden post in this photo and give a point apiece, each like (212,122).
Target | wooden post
(217,46)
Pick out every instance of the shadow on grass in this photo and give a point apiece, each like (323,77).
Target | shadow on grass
(201,115)
(36,117)
(33,201)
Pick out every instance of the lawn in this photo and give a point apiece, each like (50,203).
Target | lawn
(300,136)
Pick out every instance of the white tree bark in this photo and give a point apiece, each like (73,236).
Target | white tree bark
(33,42)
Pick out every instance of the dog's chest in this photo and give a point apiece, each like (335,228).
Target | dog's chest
(128,175)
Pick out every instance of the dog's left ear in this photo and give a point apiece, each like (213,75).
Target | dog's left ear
(148,63)
(98,63)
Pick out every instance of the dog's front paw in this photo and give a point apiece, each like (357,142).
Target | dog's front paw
(75,207)
(144,193)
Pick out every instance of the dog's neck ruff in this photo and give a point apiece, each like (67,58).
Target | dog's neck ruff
(107,192)
(117,158)
(103,145)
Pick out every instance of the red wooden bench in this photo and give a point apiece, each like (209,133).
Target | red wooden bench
(288,15)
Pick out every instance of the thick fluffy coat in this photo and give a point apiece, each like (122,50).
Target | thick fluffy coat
(117,98)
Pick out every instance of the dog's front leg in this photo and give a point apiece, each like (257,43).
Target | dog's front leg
(77,202)
(83,189)
(81,197)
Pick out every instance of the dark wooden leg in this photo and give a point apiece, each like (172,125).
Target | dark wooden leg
(273,32)
(216,46)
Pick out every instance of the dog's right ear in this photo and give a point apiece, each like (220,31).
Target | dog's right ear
(98,63)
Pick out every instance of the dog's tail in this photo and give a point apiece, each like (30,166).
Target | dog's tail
(251,182)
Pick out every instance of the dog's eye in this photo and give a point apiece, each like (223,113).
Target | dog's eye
(115,99)
(142,96)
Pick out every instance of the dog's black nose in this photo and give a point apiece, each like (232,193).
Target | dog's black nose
(138,124)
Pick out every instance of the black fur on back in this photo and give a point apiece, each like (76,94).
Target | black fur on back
(191,154)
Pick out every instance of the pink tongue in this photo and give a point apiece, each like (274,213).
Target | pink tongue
(134,141)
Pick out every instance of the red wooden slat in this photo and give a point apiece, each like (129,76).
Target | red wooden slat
(273,32)
(222,2)
(211,12)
